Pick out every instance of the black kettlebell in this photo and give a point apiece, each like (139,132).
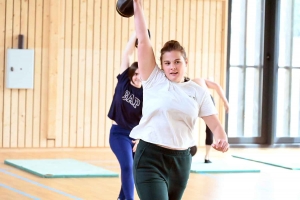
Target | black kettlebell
(125,8)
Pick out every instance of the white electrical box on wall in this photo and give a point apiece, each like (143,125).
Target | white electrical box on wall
(20,68)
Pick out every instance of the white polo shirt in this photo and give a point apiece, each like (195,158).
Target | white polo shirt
(170,111)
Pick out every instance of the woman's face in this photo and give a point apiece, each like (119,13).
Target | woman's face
(136,79)
(174,66)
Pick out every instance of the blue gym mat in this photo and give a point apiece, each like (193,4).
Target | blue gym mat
(223,166)
(60,168)
(283,161)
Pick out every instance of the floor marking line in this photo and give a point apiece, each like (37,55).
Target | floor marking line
(39,184)
(19,191)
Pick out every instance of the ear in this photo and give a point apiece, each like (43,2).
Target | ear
(186,61)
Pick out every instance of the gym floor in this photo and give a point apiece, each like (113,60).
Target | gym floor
(272,183)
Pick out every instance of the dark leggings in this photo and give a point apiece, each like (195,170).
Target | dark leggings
(121,144)
(209,135)
(160,173)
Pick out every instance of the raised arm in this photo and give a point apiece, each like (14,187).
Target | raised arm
(220,91)
(146,58)
(128,51)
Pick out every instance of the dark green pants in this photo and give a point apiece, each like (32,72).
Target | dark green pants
(160,173)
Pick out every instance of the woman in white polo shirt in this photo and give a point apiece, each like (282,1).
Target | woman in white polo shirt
(171,106)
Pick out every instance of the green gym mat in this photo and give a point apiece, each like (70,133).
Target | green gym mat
(223,166)
(60,168)
(283,161)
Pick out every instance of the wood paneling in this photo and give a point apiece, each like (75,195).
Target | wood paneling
(37,36)
(2,64)
(78,47)
(29,93)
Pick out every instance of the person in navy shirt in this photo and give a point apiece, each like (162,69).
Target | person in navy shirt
(126,112)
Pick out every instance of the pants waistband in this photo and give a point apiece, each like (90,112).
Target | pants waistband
(165,150)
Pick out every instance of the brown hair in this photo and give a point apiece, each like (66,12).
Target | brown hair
(131,71)
(172,45)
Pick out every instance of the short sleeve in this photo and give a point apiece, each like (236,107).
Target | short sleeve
(207,106)
(123,76)
(156,77)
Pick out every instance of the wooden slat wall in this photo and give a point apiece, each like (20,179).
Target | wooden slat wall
(78,46)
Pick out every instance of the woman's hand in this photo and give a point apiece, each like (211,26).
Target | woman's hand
(215,126)
(135,142)
(221,145)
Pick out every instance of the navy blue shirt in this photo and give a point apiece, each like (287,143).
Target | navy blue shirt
(127,103)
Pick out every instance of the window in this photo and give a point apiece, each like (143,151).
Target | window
(245,70)
(288,86)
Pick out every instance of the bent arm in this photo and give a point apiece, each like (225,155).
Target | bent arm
(219,90)
(146,58)
(218,131)
(128,51)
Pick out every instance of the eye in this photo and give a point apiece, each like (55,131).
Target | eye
(166,63)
